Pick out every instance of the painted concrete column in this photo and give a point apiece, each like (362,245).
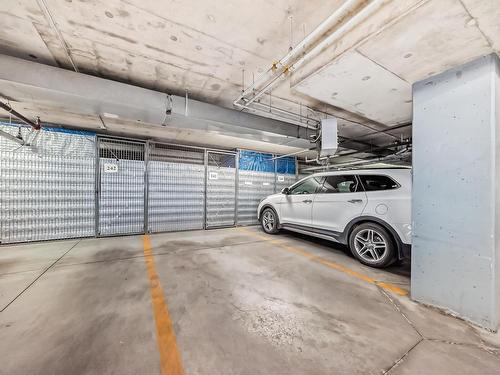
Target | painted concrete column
(456,191)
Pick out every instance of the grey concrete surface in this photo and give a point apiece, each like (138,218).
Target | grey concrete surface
(455,229)
(241,302)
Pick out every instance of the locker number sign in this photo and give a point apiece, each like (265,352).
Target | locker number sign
(110,168)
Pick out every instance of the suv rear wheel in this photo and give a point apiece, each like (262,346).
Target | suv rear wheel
(372,245)
(269,221)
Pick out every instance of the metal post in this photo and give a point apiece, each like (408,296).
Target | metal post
(205,162)
(236,186)
(97,179)
(296,169)
(146,186)
(275,161)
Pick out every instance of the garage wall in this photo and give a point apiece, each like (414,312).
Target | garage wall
(53,188)
(47,188)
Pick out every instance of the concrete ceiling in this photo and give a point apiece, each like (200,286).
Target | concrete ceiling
(420,39)
(213,48)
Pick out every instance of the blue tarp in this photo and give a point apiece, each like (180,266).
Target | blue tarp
(260,162)
(256,161)
(286,165)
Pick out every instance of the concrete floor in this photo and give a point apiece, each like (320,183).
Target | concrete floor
(240,302)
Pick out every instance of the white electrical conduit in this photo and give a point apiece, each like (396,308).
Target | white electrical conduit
(354,21)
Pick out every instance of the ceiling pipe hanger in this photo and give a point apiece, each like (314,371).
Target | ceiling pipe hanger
(298,55)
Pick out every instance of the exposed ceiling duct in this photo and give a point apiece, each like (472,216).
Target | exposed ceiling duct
(28,82)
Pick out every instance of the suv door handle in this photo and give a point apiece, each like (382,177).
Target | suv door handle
(355,201)
(307,201)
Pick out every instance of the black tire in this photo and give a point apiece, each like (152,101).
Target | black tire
(372,245)
(269,221)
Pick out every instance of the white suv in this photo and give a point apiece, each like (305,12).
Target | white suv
(369,210)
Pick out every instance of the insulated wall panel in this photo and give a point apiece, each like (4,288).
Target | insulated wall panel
(121,192)
(46,188)
(252,188)
(221,190)
(176,180)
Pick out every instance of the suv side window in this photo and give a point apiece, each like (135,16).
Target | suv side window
(308,186)
(339,184)
(376,182)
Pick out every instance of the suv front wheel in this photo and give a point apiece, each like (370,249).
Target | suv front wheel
(372,245)
(269,221)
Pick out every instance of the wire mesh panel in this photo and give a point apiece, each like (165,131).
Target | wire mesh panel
(284,180)
(221,190)
(47,185)
(252,188)
(255,182)
(285,172)
(121,187)
(176,184)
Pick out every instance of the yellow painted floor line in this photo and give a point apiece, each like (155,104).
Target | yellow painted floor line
(170,359)
(328,263)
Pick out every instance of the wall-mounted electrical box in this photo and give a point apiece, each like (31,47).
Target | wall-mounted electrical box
(329,139)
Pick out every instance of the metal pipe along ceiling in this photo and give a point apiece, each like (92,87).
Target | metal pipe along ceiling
(336,17)
(16,114)
(393,157)
(291,61)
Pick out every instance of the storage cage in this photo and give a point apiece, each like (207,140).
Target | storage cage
(256,181)
(121,192)
(220,203)
(47,185)
(69,184)
(286,172)
(176,188)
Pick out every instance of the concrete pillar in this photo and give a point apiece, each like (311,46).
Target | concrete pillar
(456,191)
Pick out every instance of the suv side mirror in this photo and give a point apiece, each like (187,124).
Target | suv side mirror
(285,191)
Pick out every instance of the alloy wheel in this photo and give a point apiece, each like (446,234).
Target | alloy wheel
(370,245)
(268,220)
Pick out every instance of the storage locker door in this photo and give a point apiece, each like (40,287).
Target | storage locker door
(176,192)
(121,193)
(253,186)
(284,180)
(47,186)
(221,190)
(285,172)
(256,173)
